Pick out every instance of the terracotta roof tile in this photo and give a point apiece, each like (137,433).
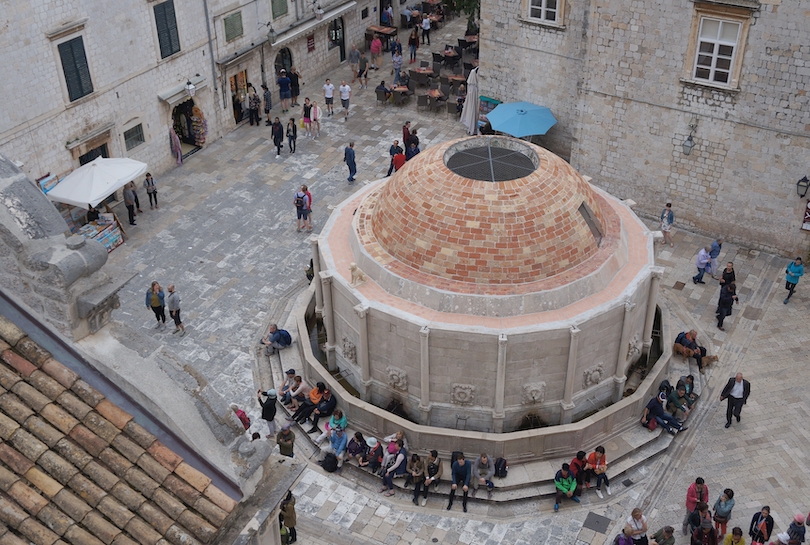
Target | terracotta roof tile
(170,504)
(8,378)
(197,526)
(48,486)
(129,497)
(100,475)
(91,442)
(14,407)
(101,426)
(100,527)
(116,415)
(60,373)
(7,426)
(55,519)
(155,516)
(37,532)
(210,511)
(44,431)
(87,393)
(11,539)
(13,459)
(7,478)
(11,514)
(86,489)
(74,405)
(22,365)
(28,445)
(130,449)
(165,456)
(153,468)
(57,467)
(142,532)
(141,482)
(138,433)
(192,476)
(59,418)
(181,489)
(32,351)
(45,384)
(115,511)
(27,497)
(79,536)
(72,452)
(179,536)
(117,463)
(71,504)
(30,395)
(122,540)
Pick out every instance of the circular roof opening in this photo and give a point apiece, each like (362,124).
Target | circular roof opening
(498,160)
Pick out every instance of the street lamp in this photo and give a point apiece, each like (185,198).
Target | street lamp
(190,88)
(271,34)
(689,143)
(802,186)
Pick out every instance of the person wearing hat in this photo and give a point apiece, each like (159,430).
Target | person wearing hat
(285,439)
(287,387)
(268,409)
(705,535)
(796,529)
(337,444)
(373,456)
(655,410)
(782,539)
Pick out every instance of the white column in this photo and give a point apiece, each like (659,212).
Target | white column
(316,269)
(656,273)
(424,375)
(620,377)
(362,352)
(500,385)
(567,404)
(329,321)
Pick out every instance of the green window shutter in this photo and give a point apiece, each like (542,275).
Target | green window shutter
(166,23)
(233,26)
(74,65)
(279,8)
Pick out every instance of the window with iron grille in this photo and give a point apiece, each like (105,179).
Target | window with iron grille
(75,68)
(279,8)
(134,137)
(166,23)
(233,26)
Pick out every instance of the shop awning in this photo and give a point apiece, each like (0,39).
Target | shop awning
(238,55)
(176,95)
(307,28)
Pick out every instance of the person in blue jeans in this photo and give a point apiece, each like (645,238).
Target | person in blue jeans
(793,272)
(655,409)
(702,263)
(348,158)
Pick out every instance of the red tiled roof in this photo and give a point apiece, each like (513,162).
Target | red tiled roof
(77,469)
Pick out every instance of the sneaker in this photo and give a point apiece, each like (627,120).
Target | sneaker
(599,493)
(472,494)
(557,508)
(575,498)
(449,506)
(785,301)
(157,326)
(608,490)
(313,429)
(464,508)
(738,418)
(176,331)
(424,501)
(183,334)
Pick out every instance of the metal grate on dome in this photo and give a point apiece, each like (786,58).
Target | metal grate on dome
(490,164)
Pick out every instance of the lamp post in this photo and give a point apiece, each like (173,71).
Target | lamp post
(689,143)
(802,186)
(190,88)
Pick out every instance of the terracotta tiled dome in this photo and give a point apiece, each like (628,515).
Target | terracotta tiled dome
(488,232)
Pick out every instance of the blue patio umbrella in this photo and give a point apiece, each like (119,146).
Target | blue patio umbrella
(521,119)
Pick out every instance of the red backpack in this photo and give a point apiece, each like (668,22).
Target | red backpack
(243,418)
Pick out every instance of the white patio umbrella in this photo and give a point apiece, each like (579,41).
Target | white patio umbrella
(469,114)
(95,181)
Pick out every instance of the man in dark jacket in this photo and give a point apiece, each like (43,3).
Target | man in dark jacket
(736,391)
(268,409)
(728,296)
(325,408)
(460,471)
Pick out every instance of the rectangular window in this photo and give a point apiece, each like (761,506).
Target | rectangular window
(233,26)
(364,13)
(717,44)
(279,8)
(74,65)
(167,29)
(545,10)
(134,137)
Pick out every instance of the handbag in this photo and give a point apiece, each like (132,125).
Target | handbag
(301,123)
(720,518)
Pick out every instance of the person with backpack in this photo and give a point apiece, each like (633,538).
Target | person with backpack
(483,470)
(276,339)
(338,441)
(268,409)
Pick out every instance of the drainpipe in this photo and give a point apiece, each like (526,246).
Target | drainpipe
(211,52)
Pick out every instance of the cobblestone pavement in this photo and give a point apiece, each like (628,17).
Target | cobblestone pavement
(225,235)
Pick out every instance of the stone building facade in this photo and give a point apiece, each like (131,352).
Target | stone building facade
(91,78)
(630,81)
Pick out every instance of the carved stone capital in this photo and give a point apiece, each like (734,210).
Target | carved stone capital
(361,311)
(326,278)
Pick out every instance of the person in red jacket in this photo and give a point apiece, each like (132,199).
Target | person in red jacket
(697,491)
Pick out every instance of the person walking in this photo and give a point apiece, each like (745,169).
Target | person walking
(284,90)
(425,29)
(135,196)
(363,68)
(716,247)
(268,104)
(295,84)
(667,219)
(155,300)
(306,116)
(722,511)
(728,296)
(794,271)
(376,52)
(277,131)
(151,190)
(253,107)
(288,510)
(348,158)
(345,96)
(702,262)
(413,45)
(292,134)
(308,222)
(329,96)
(697,492)
(174,310)
(737,390)
(301,209)
(394,150)
(268,410)
(728,275)
(396,63)
(316,114)
(354,61)
(129,202)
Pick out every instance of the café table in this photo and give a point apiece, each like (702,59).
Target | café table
(424,70)
(436,94)
(385,32)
